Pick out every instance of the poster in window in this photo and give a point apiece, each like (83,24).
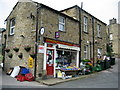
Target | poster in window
(41,49)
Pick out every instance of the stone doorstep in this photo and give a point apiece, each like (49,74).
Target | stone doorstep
(54,81)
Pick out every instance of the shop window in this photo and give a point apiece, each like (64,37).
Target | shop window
(85,24)
(12,26)
(86,52)
(99,30)
(65,58)
(61,23)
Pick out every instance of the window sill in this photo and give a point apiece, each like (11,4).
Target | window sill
(85,32)
(11,35)
(62,31)
(100,37)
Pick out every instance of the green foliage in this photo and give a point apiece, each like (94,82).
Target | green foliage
(1,57)
(86,60)
(109,50)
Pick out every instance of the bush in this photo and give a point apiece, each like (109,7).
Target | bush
(1,58)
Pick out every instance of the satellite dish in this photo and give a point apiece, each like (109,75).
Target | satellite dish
(42,30)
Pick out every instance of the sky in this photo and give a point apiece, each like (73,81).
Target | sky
(101,9)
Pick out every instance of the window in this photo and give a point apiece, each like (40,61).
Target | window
(85,24)
(100,51)
(111,36)
(12,26)
(86,52)
(99,30)
(61,23)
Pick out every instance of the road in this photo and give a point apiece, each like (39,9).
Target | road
(104,79)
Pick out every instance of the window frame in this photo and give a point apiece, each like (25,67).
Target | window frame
(85,22)
(86,56)
(111,36)
(61,23)
(12,27)
(99,30)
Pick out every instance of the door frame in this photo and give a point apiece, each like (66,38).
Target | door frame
(45,57)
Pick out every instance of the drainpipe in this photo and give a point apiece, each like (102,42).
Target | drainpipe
(93,41)
(3,51)
(36,41)
(80,18)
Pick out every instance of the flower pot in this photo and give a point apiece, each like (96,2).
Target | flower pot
(7,50)
(27,49)
(10,55)
(20,55)
(32,55)
(16,49)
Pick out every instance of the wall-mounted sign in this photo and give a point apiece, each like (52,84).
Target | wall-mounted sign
(41,49)
(42,30)
(57,34)
(30,62)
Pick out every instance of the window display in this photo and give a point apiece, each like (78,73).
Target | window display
(65,58)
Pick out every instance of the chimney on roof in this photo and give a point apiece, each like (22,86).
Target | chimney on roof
(112,21)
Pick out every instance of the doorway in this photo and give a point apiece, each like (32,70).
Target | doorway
(50,62)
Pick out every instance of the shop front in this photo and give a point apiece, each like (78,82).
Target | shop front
(58,55)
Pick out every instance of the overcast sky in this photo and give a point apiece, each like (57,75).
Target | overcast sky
(101,9)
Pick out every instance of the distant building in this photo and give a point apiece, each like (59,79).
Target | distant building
(114,36)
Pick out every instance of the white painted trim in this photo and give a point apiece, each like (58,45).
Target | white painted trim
(77,62)
(44,63)
(49,48)
(54,60)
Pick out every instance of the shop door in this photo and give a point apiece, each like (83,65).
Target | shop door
(50,62)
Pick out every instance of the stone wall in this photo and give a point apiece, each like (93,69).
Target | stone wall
(25,32)
(88,37)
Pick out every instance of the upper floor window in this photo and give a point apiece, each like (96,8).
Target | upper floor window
(12,26)
(61,23)
(111,36)
(85,24)
(99,51)
(98,30)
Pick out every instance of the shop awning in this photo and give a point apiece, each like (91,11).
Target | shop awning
(68,47)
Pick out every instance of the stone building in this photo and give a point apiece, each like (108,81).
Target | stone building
(114,36)
(57,35)
(93,33)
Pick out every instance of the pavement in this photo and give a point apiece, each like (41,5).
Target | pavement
(55,81)
(10,82)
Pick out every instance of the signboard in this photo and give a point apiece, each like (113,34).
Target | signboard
(60,42)
(41,49)
(57,34)
(30,62)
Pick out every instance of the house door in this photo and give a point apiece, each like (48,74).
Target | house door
(50,62)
